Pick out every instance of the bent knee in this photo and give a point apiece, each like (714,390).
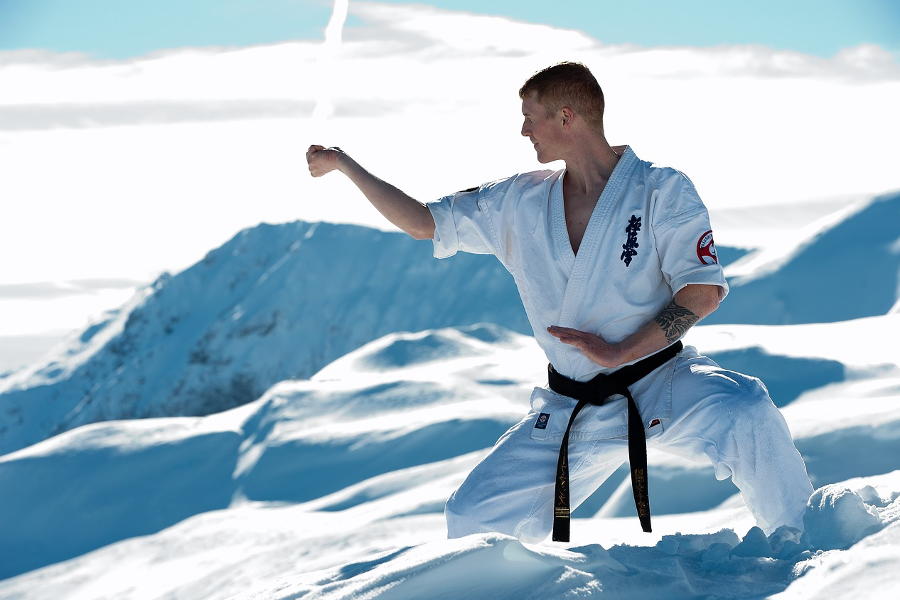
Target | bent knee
(465,519)
(744,395)
(752,399)
(459,523)
(466,516)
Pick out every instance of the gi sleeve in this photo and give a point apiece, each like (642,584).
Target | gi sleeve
(463,222)
(684,239)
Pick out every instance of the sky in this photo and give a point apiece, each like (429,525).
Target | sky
(135,137)
(118,30)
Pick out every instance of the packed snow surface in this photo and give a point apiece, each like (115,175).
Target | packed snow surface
(333,487)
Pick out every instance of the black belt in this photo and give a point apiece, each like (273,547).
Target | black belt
(597,391)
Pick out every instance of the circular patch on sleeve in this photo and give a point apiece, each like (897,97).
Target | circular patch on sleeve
(706,249)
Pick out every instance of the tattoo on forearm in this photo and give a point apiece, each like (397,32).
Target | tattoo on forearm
(675,320)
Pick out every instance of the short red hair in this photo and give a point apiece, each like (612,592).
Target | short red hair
(567,84)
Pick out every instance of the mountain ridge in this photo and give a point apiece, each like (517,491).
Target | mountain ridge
(281,301)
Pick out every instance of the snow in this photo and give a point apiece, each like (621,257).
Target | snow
(220,333)
(858,344)
(333,487)
(286,417)
(332,484)
(868,569)
(839,517)
(268,551)
(799,277)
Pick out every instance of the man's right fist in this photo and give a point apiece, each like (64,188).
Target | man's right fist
(322,160)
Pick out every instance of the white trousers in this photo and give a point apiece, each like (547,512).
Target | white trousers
(690,406)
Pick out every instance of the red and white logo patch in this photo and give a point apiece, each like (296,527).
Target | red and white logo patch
(706,249)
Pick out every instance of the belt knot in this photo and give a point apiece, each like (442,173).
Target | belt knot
(597,391)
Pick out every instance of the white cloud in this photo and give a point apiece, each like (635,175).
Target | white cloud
(42,290)
(431,33)
(139,112)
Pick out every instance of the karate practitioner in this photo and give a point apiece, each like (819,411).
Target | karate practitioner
(614,260)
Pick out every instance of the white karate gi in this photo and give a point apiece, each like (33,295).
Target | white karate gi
(626,271)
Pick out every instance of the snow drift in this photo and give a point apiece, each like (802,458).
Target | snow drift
(843,266)
(360,435)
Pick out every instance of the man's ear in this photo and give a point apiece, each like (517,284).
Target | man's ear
(567,115)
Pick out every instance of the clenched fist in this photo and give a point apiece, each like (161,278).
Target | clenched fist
(322,160)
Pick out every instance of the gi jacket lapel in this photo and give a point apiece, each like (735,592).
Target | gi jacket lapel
(558,220)
(586,260)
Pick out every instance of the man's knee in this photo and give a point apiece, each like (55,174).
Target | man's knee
(466,515)
(746,397)
(754,401)
(755,420)
(741,409)
(459,516)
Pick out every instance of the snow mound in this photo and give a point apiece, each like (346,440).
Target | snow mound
(690,544)
(858,345)
(493,566)
(870,569)
(795,283)
(838,517)
(301,441)
(267,551)
(354,441)
(411,350)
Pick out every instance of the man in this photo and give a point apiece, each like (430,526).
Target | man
(614,261)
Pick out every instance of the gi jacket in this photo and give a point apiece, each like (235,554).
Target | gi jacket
(648,236)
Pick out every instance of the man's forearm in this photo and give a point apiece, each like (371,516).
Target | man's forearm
(692,303)
(408,214)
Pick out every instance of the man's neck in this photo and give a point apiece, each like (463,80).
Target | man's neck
(591,165)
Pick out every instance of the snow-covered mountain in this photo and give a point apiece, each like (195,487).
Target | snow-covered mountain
(275,302)
(336,470)
(843,266)
(281,301)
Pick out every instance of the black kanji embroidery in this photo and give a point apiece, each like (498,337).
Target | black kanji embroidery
(634,225)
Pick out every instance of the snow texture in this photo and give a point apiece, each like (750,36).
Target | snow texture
(251,428)
(244,317)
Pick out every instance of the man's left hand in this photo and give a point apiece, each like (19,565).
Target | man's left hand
(591,345)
